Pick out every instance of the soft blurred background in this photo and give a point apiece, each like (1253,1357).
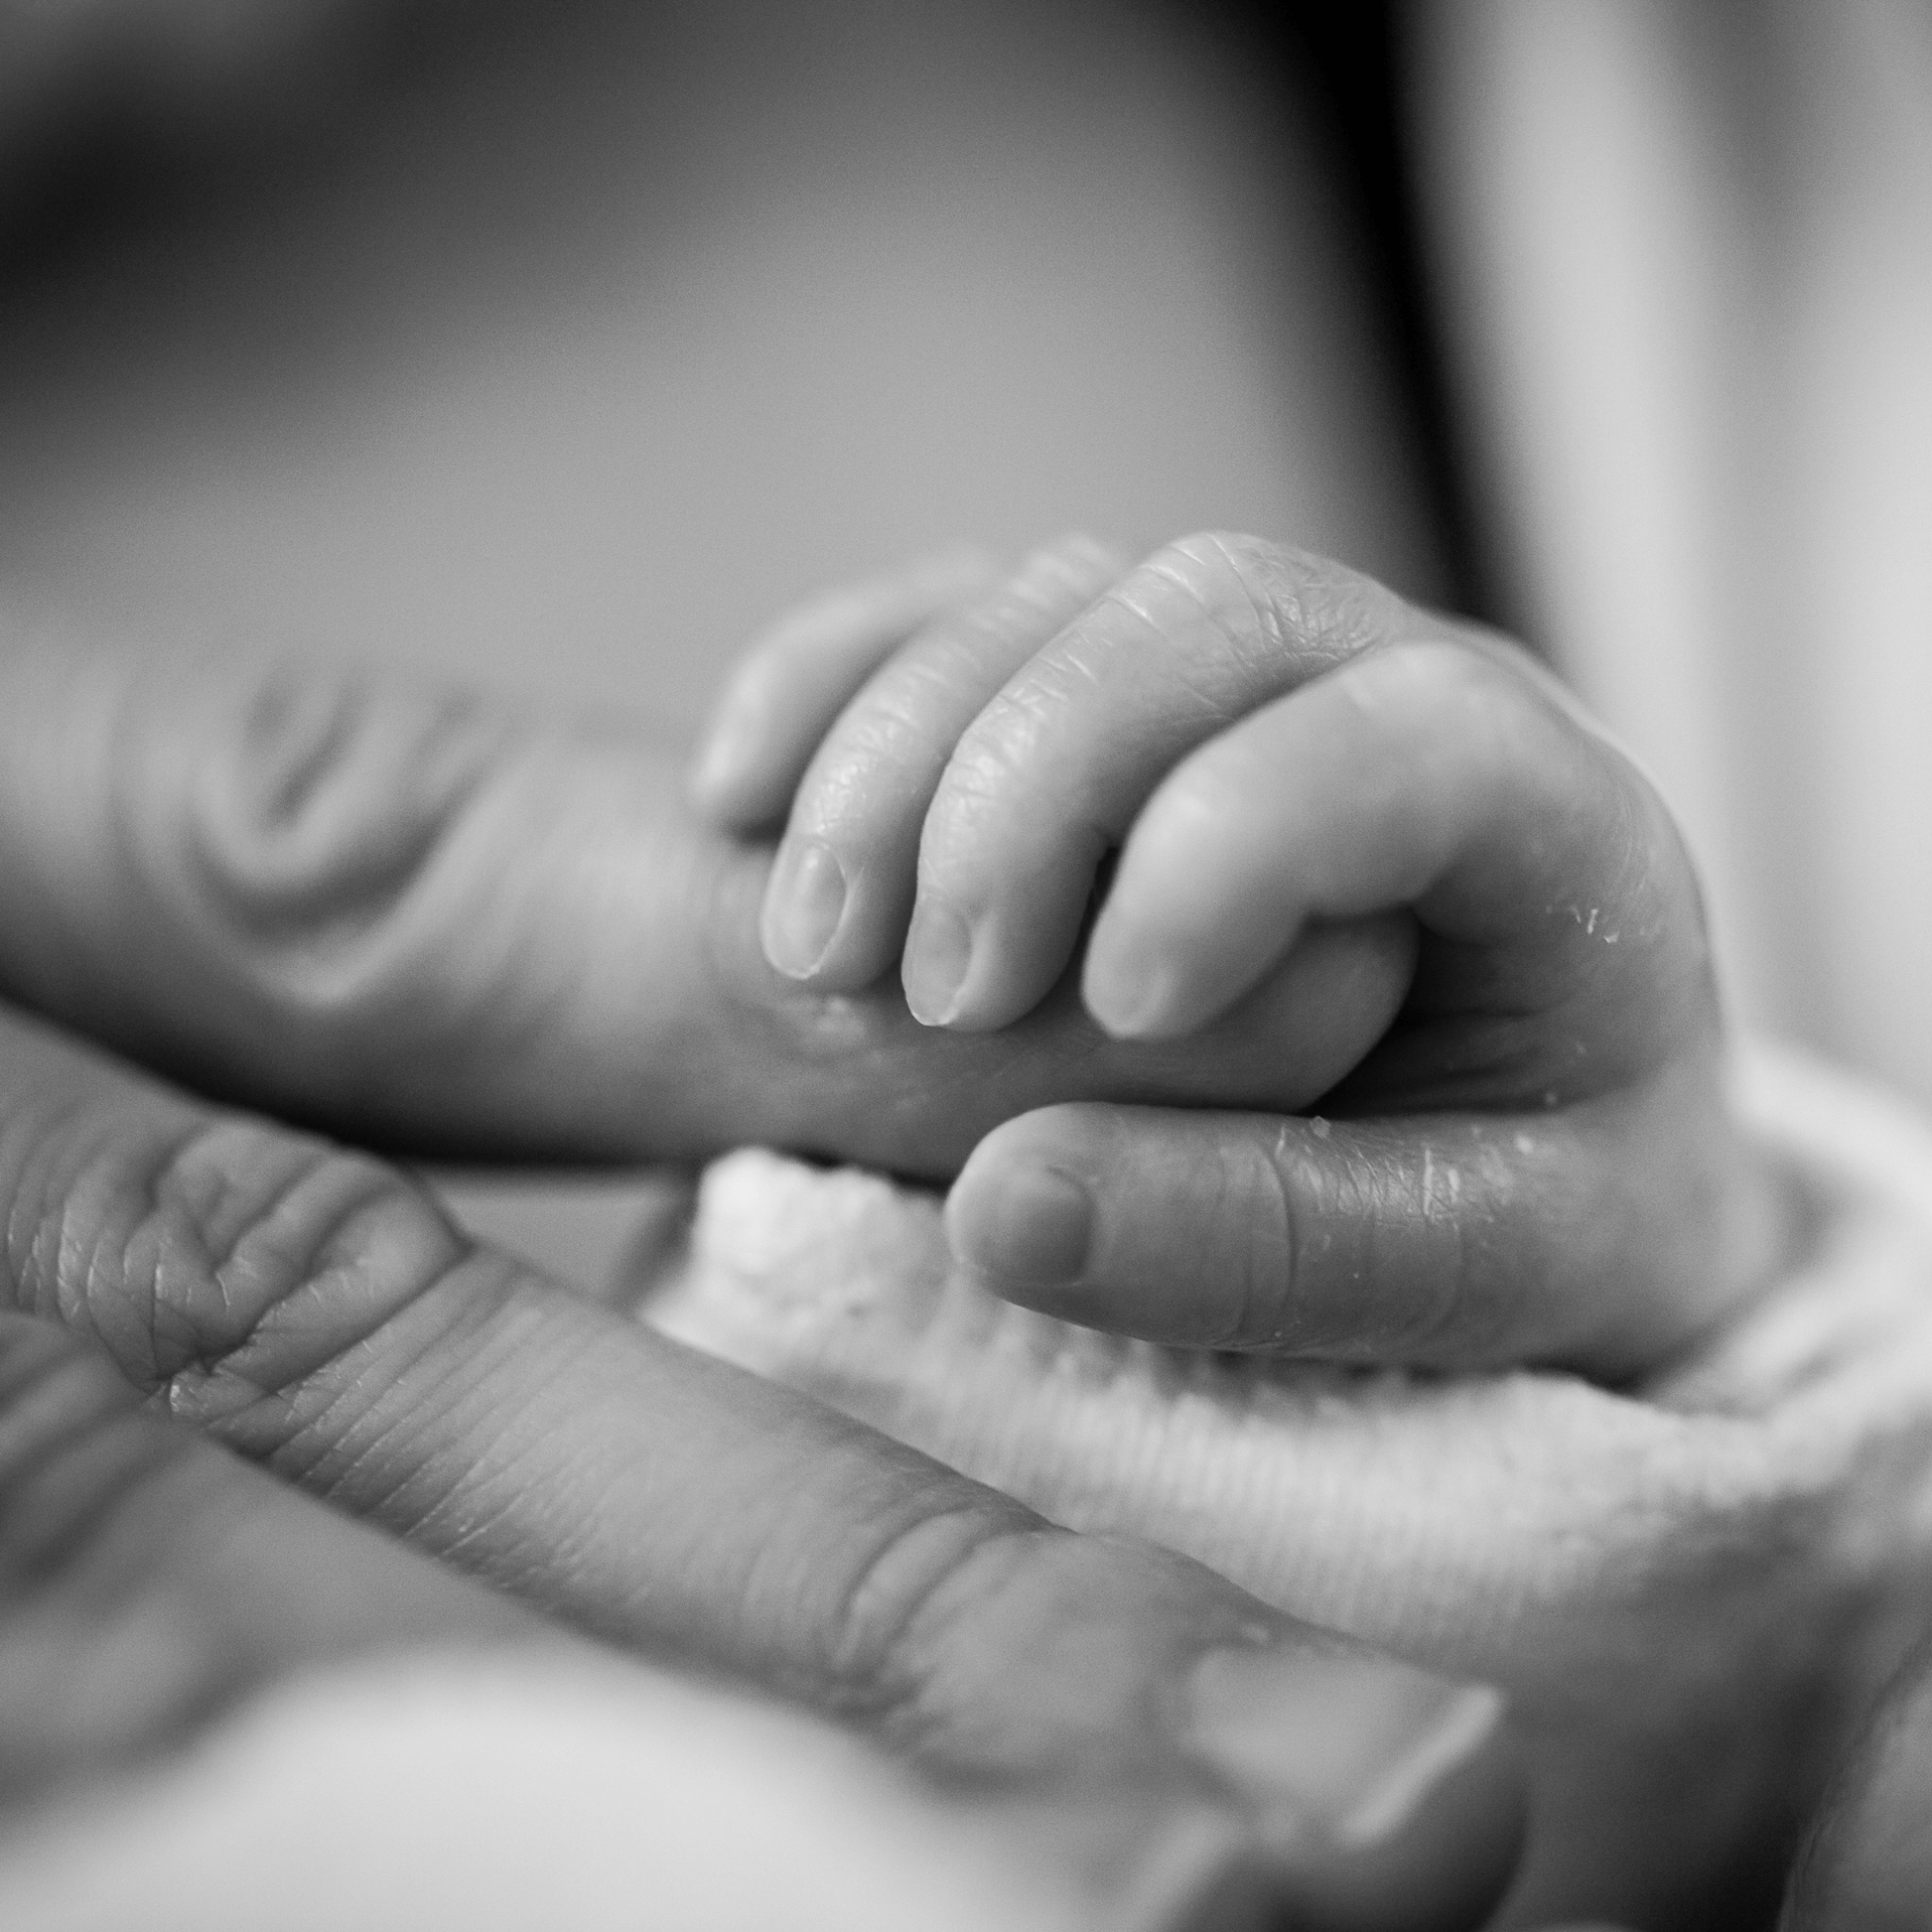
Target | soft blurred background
(561,345)
(557,347)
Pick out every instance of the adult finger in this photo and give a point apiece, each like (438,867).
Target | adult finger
(314,1311)
(1447,1240)
(1405,777)
(149,1579)
(795,675)
(1051,775)
(429,922)
(150,1582)
(841,890)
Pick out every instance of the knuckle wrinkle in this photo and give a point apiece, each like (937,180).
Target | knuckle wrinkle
(926,1579)
(225,1259)
(319,805)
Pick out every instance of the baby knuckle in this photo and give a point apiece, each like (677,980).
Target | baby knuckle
(1219,556)
(1228,575)
(1204,590)
(1324,612)
(1275,615)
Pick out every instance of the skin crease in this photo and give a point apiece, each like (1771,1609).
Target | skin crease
(189,1288)
(372,908)
(1533,1163)
(149,1577)
(337,1078)
(330,871)
(414,918)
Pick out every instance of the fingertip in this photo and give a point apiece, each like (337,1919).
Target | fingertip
(1134,994)
(1022,1216)
(1032,1228)
(974,967)
(804,905)
(936,963)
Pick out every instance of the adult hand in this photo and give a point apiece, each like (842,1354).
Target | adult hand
(314,1312)
(418,917)
(1533,1162)
(424,920)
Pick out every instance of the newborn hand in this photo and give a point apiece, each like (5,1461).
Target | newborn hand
(429,920)
(1532,1161)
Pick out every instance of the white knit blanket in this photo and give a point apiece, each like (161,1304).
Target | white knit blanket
(1688,1589)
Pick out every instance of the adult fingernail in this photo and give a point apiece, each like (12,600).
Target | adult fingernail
(938,950)
(1354,1745)
(1026,1226)
(803,904)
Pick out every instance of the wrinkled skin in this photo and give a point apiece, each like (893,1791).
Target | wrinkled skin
(326,991)
(413,921)
(1533,1162)
(460,935)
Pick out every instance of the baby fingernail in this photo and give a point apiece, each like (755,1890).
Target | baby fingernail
(1031,1228)
(1129,995)
(1354,1745)
(803,904)
(938,950)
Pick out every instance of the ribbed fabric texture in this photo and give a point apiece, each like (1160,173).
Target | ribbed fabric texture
(1687,1589)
